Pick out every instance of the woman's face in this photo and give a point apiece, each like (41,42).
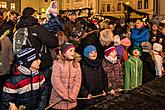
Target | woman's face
(70,53)
(154,27)
(93,55)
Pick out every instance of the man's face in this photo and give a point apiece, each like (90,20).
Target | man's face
(13,17)
(139,24)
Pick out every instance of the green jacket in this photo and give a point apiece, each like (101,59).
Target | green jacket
(133,73)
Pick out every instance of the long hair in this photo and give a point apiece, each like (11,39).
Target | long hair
(76,59)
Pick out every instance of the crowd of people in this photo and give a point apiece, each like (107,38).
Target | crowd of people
(54,62)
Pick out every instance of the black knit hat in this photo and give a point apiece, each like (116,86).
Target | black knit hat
(28,11)
(65,47)
(26,57)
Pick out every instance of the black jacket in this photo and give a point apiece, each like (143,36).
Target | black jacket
(94,78)
(39,36)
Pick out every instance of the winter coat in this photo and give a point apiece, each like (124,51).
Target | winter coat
(149,72)
(158,63)
(139,35)
(6,56)
(66,82)
(39,37)
(114,73)
(25,88)
(53,25)
(94,78)
(133,73)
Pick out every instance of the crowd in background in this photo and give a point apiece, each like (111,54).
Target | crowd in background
(68,58)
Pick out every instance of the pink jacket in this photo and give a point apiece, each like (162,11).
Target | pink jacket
(66,81)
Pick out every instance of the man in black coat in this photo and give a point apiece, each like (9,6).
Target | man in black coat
(101,39)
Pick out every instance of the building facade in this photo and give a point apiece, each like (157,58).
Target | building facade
(116,8)
(78,4)
(10,5)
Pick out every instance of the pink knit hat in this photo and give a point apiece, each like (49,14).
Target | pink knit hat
(125,42)
(109,50)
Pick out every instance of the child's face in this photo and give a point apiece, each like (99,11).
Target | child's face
(36,64)
(70,53)
(113,54)
(136,53)
(93,55)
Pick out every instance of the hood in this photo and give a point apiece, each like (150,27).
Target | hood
(26,21)
(23,70)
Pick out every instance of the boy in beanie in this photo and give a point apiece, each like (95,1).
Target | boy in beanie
(94,77)
(133,69)
(27,86)
(66,78)
(114,70)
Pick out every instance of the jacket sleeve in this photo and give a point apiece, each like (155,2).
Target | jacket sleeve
(104,80)
(43,97)
(56,82)
(127,75)
(8,94)
(77,84)
(47,39)
(142,37)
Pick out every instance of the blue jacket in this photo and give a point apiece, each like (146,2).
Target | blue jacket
(139,35)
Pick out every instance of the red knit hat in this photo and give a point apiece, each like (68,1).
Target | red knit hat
(66,46)
(109,50)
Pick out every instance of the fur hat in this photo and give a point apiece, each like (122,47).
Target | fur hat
(26,56)
(89,49)
(66,46)
(157,47)
(108,51)
(28,11)
(126,42)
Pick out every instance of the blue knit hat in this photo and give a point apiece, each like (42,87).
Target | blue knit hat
(89,49)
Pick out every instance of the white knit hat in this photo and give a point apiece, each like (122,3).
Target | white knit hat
(157,47)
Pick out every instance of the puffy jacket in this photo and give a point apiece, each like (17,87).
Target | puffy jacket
(25,88)
(139,35)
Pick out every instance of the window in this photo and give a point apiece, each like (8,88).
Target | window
(12,5)
(119,7)
(103,8)
(108,7)
(67,1)
(139,4)
(3,4)
(145,4)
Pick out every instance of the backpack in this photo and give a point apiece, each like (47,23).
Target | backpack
(20,39)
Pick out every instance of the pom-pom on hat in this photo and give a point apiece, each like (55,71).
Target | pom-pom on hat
(88,49)
(26,56)
(65,47)
(109,50)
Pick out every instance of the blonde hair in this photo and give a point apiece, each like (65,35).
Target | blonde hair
(76,59)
